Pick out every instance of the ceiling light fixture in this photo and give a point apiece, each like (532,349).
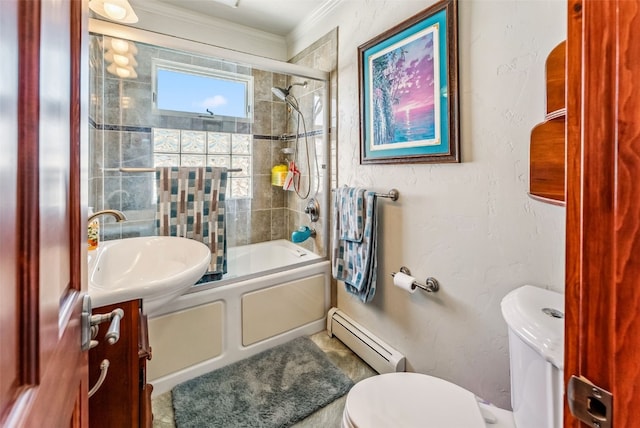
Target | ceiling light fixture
(120,56)
(114,10)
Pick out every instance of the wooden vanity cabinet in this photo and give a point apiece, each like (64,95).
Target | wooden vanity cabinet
(124,399)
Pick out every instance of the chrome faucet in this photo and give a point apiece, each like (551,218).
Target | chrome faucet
(118,215)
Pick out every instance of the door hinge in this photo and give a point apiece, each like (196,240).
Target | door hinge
(590,403)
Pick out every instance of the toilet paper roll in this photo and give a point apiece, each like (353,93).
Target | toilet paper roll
(404,281)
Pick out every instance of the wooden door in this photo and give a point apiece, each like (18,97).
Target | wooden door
(43,371)
(603,202)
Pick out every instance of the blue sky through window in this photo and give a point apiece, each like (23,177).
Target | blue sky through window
(193,93)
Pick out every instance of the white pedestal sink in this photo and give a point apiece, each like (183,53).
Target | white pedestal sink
(155,269)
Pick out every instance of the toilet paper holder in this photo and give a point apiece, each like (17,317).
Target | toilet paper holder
(431,284)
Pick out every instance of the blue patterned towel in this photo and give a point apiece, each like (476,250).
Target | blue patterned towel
(351,224)
(355,261)
(191,204)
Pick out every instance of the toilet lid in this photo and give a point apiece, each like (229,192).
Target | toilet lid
(411,400)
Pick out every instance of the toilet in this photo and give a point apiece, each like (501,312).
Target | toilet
(535,323)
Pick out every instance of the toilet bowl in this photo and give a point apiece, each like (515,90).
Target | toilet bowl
(413,400)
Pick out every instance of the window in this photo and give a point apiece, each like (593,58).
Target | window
(174,147)
(193,90)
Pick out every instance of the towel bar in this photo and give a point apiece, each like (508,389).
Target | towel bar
(431,285)
(393,194)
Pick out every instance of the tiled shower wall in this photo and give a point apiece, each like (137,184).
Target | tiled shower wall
(121,119)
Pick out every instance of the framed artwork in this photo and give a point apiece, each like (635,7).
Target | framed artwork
(408,80)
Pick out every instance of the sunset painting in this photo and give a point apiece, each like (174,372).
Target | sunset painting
(408,87)
(405,93)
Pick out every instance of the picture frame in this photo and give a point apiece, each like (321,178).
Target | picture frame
(408,87)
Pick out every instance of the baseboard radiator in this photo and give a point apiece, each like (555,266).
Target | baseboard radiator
(380,356)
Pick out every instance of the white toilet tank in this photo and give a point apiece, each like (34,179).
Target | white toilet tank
(535,318)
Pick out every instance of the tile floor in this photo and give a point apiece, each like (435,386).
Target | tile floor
(329,416)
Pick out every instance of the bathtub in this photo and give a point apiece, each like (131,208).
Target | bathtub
(273,292)
(249,261)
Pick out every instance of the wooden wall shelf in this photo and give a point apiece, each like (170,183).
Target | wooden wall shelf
(548,139)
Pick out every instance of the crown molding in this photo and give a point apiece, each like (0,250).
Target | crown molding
(314,18)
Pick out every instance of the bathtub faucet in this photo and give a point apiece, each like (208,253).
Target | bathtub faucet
(302,234)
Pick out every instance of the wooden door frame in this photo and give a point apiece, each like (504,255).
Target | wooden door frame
(602,332)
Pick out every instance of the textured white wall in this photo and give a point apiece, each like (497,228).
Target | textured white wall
(470,225)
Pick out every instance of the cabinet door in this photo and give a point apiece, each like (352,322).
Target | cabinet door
(117,402)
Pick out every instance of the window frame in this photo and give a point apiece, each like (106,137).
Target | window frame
(198,70)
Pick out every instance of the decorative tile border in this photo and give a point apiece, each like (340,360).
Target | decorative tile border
(288,136)
(121,128)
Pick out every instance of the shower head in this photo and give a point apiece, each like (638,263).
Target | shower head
(283,94)
(280,93)
(288,98)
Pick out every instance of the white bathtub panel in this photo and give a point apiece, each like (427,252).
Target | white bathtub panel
(271,311)
(230,294)
(185,338)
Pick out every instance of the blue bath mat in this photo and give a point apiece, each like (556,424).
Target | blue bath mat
(276,388)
